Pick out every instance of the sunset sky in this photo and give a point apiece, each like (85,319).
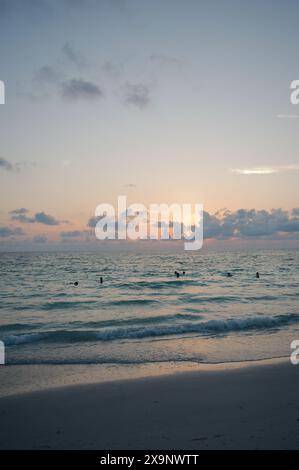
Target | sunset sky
(164,101)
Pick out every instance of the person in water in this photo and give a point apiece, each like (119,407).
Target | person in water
(76,283)
(101,280)
(257,275)
(229,275)
(177,274)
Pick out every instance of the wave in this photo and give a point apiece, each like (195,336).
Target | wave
(12,327)
(165,284)
(59,305)
(127,302)
(136,332)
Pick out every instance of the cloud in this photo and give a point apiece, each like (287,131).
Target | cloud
(265,170)
(21,216)
(92,222)
(46,74)
(22,210)
(76,89)
(137,95)
(45,219)
(112,69)
(10,232)
(6,165)
(72,234)
(251,223)
(14,167)
(164,60)
(40,239)
(73,55)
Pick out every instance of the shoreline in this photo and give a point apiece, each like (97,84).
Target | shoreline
(222,407)
(17,379)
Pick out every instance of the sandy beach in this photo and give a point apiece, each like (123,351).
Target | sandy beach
(248,406)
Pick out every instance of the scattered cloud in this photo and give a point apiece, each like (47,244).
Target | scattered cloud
(40,239)
(74,56)
(164,60)
(20,211)
(14,167)
(76,89)
(251,224)
(261,170)
(112,69)
(45,219)
(21,216)
(72,234)
(46,75)
(92,222)
(137,95)
(6,165)
(6,232)
(265,170)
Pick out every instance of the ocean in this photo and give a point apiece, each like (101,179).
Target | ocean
(143,314)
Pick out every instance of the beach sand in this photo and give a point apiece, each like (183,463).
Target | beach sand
(238,406)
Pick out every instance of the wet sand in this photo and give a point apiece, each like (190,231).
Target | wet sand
(248,406)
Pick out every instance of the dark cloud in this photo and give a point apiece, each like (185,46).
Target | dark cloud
(137,95)
(20,215)
(23,218)
(10,232)
(45,219)
(6,165)
(252,223)
(76,89)
(92,222)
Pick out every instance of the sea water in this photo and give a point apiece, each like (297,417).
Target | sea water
(143,314)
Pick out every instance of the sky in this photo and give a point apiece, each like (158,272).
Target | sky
(164,101)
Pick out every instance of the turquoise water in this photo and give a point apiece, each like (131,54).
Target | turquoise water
(141,313)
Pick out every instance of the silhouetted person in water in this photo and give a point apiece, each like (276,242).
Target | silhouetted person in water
(101,280)
(177,274)
(184,272)
(229,275)
(257,275)
(76,283)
